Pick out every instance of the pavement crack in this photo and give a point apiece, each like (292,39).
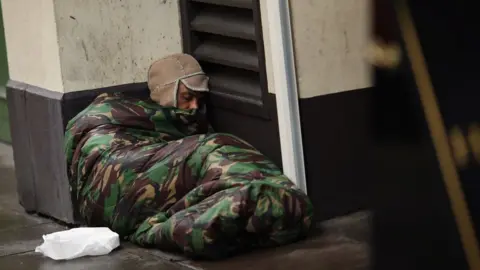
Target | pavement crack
(26,226)
(16,253)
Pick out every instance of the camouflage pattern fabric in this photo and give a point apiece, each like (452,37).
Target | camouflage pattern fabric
(159,178)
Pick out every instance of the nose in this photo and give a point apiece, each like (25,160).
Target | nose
(194,104)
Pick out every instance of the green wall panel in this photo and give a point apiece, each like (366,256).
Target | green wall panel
(4,123)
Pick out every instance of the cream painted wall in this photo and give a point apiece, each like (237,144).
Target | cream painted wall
(104,43)
(330,39)
(32,45)
(266,45)
(70,45)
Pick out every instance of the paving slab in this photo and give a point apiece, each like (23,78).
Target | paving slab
(168,256)
(338,244)
(8,185)
(11,219)
(6,155)
(121,259)
(24,239)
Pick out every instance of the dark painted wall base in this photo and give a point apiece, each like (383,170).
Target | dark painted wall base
(261,132)
(38,118)
(37,136)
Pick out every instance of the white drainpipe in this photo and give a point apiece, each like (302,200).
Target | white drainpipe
(285,83)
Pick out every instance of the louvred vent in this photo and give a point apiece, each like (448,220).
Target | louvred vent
(226,37)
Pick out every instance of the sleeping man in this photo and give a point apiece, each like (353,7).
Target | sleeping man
(152,171)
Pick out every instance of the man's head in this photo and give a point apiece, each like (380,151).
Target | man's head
(177,80)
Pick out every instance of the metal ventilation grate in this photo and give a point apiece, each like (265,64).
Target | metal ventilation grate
(226,37)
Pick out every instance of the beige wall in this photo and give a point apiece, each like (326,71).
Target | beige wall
(104,43)
(31,41)
(70,45)
(330,38)
(266,45)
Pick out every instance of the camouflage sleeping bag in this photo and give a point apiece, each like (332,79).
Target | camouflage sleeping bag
(157,177)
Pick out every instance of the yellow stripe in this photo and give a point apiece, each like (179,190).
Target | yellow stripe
(439,137)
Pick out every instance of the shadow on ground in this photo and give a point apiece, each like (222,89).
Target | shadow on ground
(343,245)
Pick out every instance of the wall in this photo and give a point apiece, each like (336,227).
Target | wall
(337,103)
(70,45)
(330,39)
(266,46)
(31,41)
(3,57)
(105,43)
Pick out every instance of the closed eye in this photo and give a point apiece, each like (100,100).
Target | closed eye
(188,97)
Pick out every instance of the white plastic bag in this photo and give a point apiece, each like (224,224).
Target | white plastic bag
(79,242)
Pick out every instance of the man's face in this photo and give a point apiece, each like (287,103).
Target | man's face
(188,99)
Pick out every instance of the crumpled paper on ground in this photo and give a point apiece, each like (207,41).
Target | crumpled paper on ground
(79,242)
